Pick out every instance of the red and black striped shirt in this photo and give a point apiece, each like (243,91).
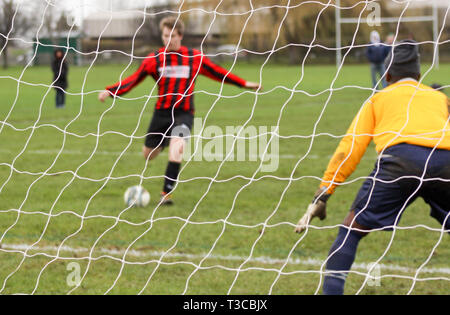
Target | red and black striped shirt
(176,72)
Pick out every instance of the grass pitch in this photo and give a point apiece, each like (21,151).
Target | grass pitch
(63,173)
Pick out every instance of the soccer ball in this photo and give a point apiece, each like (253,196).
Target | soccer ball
(136,196)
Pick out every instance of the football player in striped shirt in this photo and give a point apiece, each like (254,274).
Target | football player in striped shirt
(175,68)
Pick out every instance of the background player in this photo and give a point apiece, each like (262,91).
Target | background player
(376,54)
(409,123)
(175,69)
(60,70)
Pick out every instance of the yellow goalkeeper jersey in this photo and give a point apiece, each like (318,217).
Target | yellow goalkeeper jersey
(404,112)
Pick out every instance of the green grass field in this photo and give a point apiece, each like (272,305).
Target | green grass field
(63,173)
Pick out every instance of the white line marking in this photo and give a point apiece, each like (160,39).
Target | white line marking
(205,155)
(262,259)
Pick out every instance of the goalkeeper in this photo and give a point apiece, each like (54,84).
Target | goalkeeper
(175,69)
(409,123)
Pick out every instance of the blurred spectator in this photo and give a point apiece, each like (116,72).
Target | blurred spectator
(60,70)
(376,54)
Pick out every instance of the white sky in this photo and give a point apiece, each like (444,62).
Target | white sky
(80,8)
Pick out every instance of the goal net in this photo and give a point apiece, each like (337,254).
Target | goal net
(251,163)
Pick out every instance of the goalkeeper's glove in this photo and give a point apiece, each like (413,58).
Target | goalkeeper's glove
(317,208)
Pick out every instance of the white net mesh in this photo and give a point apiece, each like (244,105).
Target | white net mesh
(252,164)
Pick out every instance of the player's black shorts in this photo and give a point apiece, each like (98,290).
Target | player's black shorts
(402,173)
(163,124)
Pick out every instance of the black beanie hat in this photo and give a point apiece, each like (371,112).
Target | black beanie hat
(405,59)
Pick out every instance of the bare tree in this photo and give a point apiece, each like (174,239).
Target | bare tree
(63,24)
(49,23)
(150,31)
(12,23)
(294,23)
(299,25)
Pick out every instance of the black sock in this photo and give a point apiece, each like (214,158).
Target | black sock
(341,260)
(173,168)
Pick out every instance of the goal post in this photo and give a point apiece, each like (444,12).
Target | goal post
(377,20)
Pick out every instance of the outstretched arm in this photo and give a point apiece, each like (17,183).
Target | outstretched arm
(350,150)
(216,72)
(344,161)
(147,67)
(253,85)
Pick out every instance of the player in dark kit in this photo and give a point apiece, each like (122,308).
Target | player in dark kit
(60,70)
(175,69)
